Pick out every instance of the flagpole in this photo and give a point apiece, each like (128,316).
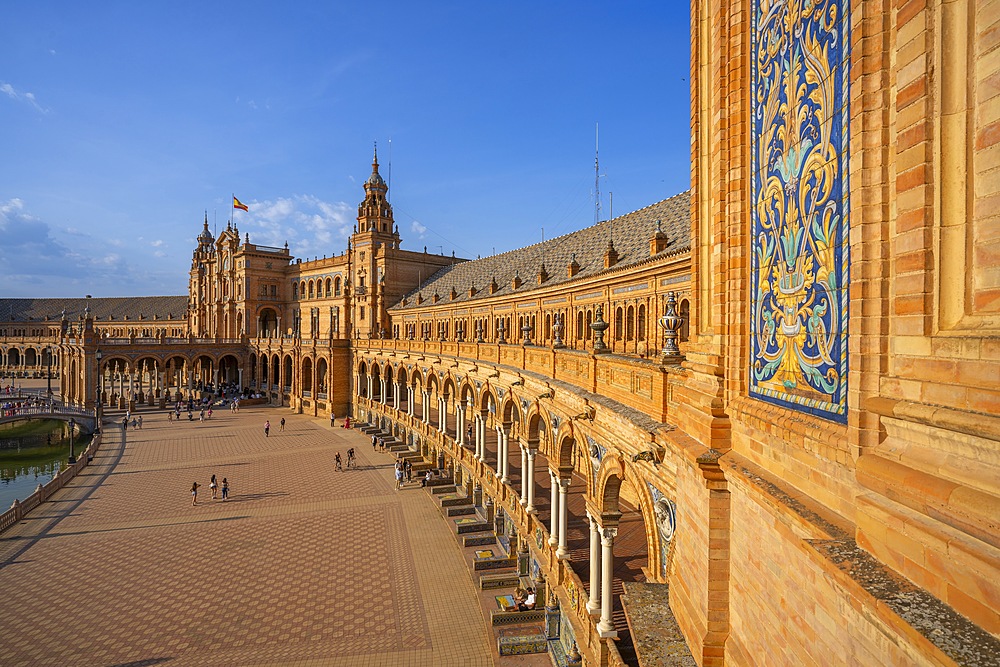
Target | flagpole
(232,216)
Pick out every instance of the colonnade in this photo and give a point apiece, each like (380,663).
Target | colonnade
(601,544)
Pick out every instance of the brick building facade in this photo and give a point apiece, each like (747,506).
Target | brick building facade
(812,478)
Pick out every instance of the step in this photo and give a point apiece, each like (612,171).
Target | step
(442,486)
(460,510)
(518,644)
(486,539)
(472,525)
(454,500)
(488,582)
(480,564)
(498,617)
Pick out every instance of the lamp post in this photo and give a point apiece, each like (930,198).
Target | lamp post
(72,428)
(97,385)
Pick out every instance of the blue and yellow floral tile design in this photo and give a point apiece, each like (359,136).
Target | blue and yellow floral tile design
(800,263)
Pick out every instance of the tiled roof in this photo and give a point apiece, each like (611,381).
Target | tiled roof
(163,307)
(632,233)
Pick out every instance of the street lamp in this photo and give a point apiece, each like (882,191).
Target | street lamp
(72,427)
(98,387)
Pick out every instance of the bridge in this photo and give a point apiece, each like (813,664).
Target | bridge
(85,419)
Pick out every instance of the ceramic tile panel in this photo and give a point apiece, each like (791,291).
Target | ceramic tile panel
(800,205)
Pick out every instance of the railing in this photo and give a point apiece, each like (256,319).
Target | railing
(29,410)
(644,384)
(20,508)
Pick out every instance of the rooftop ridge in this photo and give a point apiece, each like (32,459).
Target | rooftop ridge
(585,246)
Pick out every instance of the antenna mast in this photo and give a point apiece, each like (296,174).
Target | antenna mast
(597,176)
(389,183)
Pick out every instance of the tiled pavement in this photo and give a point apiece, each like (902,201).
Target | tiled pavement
(303,565)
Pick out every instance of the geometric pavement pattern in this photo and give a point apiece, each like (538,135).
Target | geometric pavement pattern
(303,565)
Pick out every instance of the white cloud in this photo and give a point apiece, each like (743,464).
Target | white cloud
(157,243)
(312,227)
(42,260)
(418,229)
(27,97)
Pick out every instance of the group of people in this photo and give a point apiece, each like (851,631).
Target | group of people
(524,599)
(352,461)
(215,488)
(136,422)
(404,469)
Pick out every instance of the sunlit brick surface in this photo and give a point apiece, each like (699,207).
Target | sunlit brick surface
(302,565)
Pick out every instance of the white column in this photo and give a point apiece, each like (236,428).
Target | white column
(606,628)
(395,395)
(482,438)
(504,477)
(563,552)
(371,387)
(409,400)
(480,445)
(594,603)
(524,474)
(460,423)
(425,410)
(554,504)
(499,432)
(530,507)
(384,391)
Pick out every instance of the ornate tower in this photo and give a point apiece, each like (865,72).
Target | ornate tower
(375,234)
(199,290)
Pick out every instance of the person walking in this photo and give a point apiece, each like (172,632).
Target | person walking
(267,428)
(408,468)
(333,420)
(374,441)
(194,493)
(214,486)
(399,476)
(351,461)
(337,463)
(140,422)
(209,415)
(281,424)
(225,489)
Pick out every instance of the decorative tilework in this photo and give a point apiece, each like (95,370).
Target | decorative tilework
(799,153)
(666,523)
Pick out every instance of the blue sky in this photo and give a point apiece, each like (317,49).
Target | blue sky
(123,122)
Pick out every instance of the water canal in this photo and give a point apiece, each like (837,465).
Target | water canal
(30,454)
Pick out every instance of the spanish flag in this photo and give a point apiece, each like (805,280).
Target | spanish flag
(238,204)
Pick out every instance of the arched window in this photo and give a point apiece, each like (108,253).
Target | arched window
(630,323)
(328,286)
(590,320)
(336,286)
(618,323)
(310,289)
(641,323)
(579,325)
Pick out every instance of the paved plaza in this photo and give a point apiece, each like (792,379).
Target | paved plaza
(302,565)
